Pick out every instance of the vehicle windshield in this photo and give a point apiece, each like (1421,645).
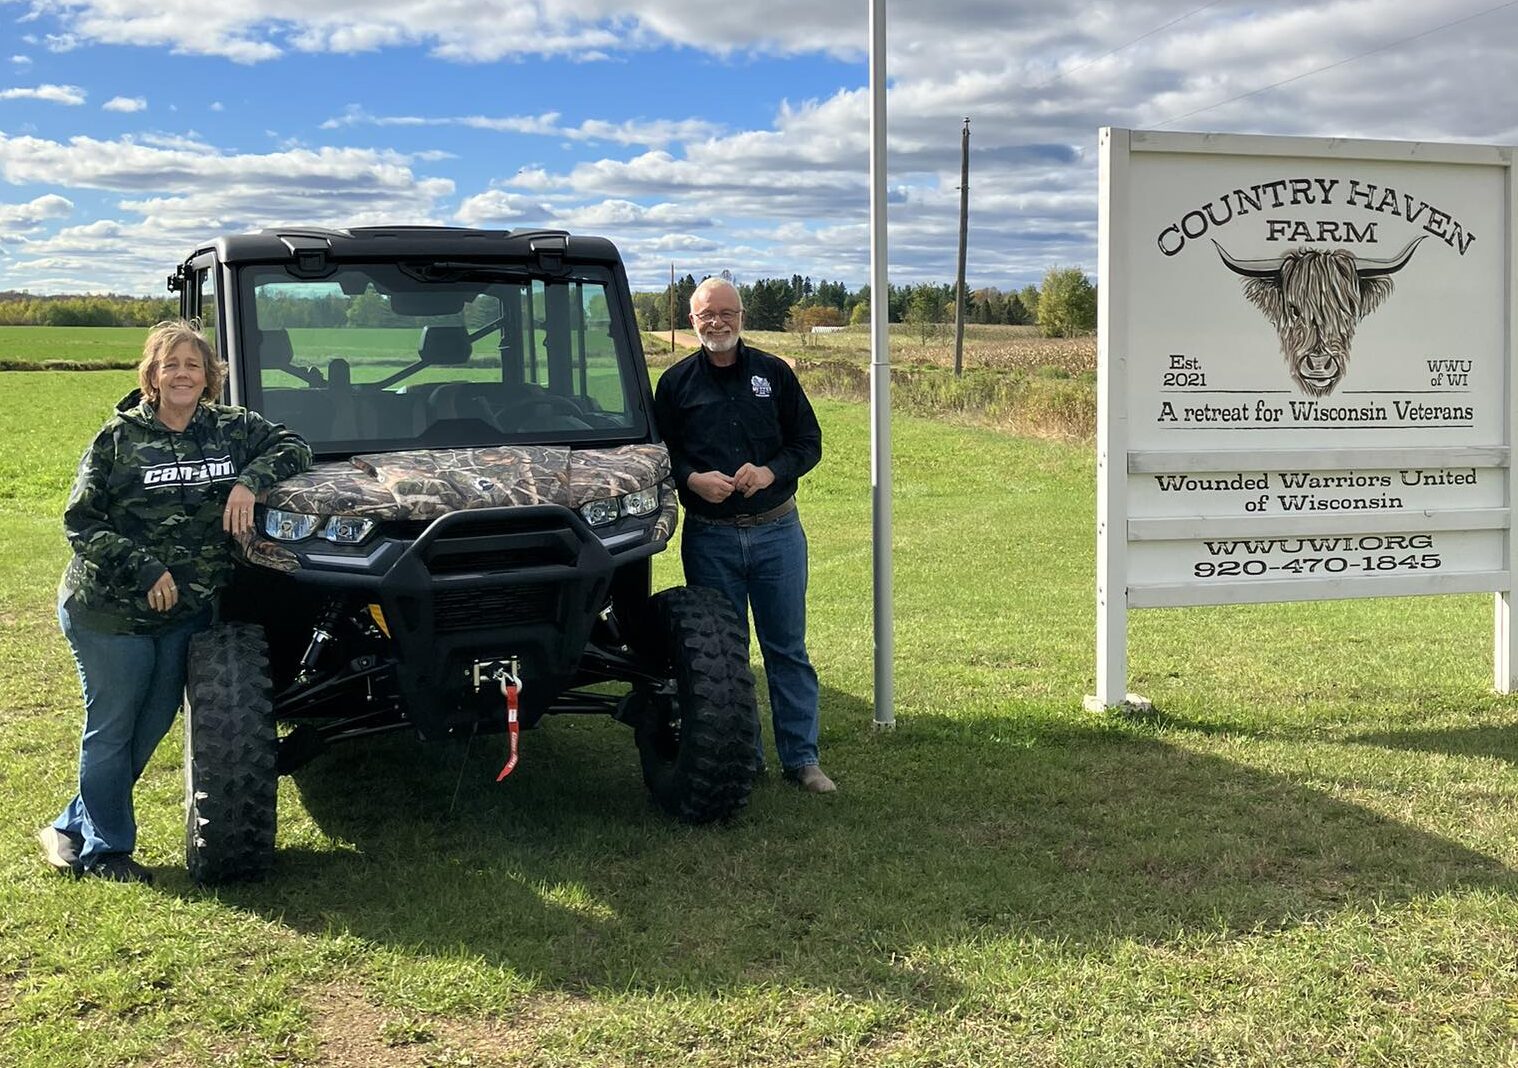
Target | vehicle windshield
(384,356)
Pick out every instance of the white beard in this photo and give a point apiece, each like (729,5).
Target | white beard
(725,344)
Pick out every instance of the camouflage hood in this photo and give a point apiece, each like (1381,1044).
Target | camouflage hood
(424,484)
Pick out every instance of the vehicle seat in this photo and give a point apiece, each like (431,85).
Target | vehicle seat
(345,415)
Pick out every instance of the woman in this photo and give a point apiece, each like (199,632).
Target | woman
(159,493)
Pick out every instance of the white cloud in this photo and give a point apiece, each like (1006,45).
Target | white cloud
(494,207)
(179,190)
(126,104)
(15,218)
(55,94)
(253,31)
(657,132)
(217,105)
(482,31)
(620,216)
(354,115)
(20,60)
(189,141)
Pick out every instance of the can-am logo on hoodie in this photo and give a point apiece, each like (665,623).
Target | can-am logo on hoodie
(213,469)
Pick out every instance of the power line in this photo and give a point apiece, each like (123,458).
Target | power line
(1127,44)
(1337,63)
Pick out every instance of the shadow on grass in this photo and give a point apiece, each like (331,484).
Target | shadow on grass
(1498,742)
(1154,718)
(944,832)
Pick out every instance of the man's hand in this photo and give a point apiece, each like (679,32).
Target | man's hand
(749,479)
(237,517)
(163,595)
(711,486)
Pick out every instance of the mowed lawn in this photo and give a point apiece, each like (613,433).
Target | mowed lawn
(1303,857)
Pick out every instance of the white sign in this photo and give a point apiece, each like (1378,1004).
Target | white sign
(1304,375)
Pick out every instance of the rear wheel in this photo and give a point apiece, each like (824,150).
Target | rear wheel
(229,761)
(696,733)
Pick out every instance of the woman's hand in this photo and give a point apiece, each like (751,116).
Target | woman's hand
(164,595)
(237,517)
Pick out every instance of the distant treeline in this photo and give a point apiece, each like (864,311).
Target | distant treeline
(26,309)
(1065,305)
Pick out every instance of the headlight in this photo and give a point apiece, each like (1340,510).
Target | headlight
(599,513)
(288,526)
(641,502)
(347,529)
(609,509)
(294,526)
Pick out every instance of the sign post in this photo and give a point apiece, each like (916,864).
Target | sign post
(1304,376)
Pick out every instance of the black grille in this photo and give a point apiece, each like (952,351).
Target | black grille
(490,561)
(479,609)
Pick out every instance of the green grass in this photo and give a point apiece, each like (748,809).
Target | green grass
(1304,856)
(24,347)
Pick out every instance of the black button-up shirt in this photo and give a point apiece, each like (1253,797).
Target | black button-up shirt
(720,418)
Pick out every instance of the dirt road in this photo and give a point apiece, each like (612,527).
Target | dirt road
(689,342)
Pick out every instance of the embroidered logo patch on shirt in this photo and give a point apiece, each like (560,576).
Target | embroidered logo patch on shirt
(761,386)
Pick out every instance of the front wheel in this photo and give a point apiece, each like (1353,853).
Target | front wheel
(230,744)
(696,733)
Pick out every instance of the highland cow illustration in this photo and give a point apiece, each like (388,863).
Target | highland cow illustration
(1315,299)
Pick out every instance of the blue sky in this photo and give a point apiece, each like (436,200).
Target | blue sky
(714,138)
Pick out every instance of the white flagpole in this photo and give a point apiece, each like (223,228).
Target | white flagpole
(880,375)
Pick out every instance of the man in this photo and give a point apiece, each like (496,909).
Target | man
(740,433)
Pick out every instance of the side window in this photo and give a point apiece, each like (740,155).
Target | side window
(596,349)
(573,319)
(205,285)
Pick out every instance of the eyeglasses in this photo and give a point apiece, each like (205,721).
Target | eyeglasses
(708,318)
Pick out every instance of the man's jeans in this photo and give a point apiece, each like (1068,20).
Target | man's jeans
(132,685)
(765,567)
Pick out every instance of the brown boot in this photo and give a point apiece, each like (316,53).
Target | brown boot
(811,779)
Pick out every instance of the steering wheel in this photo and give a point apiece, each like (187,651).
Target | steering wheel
(554,402)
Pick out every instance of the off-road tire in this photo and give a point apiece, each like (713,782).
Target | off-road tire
(704,770)
(230,745)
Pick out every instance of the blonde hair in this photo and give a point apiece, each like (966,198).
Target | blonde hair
(162,340)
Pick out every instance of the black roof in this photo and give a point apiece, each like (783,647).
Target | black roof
(389,242)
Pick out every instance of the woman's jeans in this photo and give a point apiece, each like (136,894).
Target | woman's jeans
(764,567)
(132,684)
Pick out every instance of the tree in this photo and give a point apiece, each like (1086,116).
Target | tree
(683,290)
(858,297)
(986,306)
(1028,296)
(835,294)
(766,303)
(803,318)
(652,310)
(1066,303)
(371,309)
(925,311)
(860,316)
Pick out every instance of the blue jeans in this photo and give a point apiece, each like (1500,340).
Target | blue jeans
(132,685)
(764,567)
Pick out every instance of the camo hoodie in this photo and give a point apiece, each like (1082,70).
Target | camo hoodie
(147,498)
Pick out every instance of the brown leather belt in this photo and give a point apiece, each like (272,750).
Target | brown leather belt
(780,511)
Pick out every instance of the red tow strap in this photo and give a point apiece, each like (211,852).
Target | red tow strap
(510,688)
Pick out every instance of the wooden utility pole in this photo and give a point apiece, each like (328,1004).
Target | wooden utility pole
(672,308)
(964,223)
